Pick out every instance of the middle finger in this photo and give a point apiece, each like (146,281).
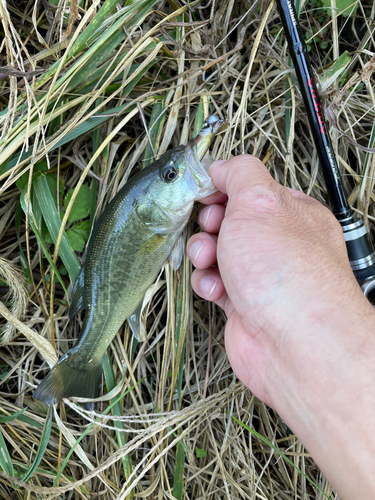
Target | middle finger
(211,217)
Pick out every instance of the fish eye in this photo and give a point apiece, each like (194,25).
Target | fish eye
(169,173)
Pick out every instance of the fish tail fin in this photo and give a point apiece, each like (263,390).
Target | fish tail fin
(71,376)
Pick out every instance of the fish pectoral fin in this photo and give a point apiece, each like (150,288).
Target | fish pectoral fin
(177,253)
(136,325)
(71,376)
(150,245)
(154,217)
(77,302)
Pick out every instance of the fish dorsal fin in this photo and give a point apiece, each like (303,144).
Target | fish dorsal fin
(177,253)
(77,302)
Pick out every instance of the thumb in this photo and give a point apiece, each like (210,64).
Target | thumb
(244,170)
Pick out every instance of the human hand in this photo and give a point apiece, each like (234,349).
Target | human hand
(298,324)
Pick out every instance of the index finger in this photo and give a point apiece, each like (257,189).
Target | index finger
(244,170)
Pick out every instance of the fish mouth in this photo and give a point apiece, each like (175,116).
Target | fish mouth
(196,172)
(198,162)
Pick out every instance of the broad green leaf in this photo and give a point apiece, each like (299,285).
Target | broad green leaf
(76,241)
(200,452)
(5,460)
(10,418)
(42,446)
(52,219)
(78,235)
(344,7)
(82,204)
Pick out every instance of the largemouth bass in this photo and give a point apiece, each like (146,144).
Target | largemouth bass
(133,238)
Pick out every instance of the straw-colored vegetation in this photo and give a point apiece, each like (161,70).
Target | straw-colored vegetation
(90,91)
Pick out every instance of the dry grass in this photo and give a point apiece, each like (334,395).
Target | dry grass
(145,70)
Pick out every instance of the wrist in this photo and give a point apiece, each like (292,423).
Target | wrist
(328,398)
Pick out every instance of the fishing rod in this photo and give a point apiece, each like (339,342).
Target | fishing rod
(361,257)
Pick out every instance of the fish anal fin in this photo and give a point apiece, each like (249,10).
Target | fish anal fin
(77,302)
(135,323)
(71,376)
(177,253)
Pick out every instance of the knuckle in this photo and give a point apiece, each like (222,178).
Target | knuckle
(262,198)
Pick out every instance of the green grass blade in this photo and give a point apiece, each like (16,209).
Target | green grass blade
(88,429)
(10,418)
(94,60)
(157,120)
(80,44)
(53,222)
(368,155)
(178,480)
(42,446)
(94,183)
(34,227)
(199,119)
(178,483)
(103,33)
(179,312)
(5,460)
(23,259)
(334,71)
(279,452)
(110,382)
(82,129)
(29,421)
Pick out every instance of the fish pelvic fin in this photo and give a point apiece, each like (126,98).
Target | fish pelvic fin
(71,376)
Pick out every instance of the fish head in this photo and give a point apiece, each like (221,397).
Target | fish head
(180,179)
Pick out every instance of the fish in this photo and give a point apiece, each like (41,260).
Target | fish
(133,238)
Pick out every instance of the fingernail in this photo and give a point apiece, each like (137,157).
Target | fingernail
(204,215)
(207,285)
(195,250)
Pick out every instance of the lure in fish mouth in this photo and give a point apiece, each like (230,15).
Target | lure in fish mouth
(131,241)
